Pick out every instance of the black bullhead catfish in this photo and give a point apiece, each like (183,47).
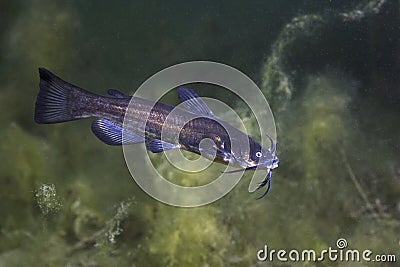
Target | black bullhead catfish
(60,101)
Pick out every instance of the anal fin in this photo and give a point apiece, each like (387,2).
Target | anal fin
(113,134)
(156,145)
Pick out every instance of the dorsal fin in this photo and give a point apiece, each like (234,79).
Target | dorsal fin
(194,103)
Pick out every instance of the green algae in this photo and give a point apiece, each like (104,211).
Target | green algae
(277,84)
(325,130)
(18,183)
(47,199)
(188,237)
(278,77)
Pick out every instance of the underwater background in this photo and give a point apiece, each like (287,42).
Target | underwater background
(329,69)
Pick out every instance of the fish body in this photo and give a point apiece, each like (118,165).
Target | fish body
(120,119)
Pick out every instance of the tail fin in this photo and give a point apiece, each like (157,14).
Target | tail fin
(56,101)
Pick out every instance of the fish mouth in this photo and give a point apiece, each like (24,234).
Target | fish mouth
(274,165)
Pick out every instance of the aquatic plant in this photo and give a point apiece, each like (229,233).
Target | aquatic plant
(277,76)
(277,84)
(188,237)
(18,183)
(47,199)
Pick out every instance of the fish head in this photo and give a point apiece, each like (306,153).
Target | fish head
(258,157)
(262,157)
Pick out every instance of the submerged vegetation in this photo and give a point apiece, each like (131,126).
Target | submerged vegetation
(67,199)
(47,199)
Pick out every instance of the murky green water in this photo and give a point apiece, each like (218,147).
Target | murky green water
(329,69)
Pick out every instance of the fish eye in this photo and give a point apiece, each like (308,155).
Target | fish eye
(258,154)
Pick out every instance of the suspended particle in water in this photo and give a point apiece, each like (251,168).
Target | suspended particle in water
(47,199)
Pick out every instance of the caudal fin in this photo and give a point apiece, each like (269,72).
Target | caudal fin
(56,101)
